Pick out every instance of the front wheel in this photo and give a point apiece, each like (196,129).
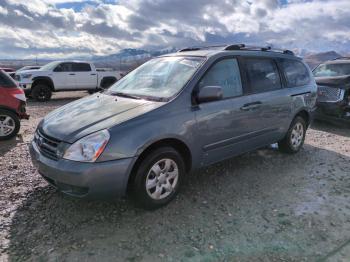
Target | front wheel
(41,93)
(295,137)
(158,178)
(9,125)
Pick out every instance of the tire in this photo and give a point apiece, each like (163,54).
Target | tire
(92,91)
(28,93)
(9,119)
(295,137)
(107,82)
(164,181)
(41,93)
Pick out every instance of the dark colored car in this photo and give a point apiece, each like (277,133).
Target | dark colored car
(12,107)
(333,80)
(172,114)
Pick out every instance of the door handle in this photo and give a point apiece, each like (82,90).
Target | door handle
(251,106)
(92,74)
(72,74)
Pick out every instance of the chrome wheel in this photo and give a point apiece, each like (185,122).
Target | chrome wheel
(7,125)
(297,135)
(162,179)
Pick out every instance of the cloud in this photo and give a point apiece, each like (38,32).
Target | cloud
(99,27)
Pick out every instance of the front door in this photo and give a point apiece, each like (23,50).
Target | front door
(64,77)
(223,125)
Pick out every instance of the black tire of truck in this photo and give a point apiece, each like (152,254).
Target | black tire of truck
(41,93)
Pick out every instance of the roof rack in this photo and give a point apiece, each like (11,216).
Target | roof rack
(196,48)
(257,48)
(240,47)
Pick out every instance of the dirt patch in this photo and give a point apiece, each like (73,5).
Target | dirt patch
(262,206)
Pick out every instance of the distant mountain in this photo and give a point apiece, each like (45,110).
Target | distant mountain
(127,59)
(133,54)
(315,59)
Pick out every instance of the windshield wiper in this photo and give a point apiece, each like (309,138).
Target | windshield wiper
(125,95)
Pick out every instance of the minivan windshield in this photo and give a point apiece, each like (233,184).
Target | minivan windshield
(332,70)
(159,78)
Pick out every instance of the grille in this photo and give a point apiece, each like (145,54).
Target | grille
(47,146)
(330,94)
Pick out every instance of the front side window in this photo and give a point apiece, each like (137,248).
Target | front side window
(161,77)
(332,70)
(81,67)
(225,74)
(295,72)
(64,67)
(262,75)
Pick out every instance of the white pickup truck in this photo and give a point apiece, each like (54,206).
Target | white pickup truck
(64,76)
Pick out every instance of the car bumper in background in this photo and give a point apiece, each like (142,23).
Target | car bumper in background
(339,111)
(25,86)
(85,180)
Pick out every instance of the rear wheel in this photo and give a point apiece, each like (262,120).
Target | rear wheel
(9,124)
(41,93)
(158,178)
(295,137)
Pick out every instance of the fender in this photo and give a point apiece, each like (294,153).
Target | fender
(8,109)
(306,112)
(46,79)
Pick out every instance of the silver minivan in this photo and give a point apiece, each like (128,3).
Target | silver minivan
(176,112)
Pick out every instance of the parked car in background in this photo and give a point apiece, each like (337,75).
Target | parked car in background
(10,71)
(12,107)
(24,68)
(333,80)
(172,114)
(64,76)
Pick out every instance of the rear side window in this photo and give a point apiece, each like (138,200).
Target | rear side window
(262,74)
(295,72)
(81,67)
(64,67)
(225,74)
(6,80)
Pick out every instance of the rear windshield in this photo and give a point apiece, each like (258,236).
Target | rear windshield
(332,70)
(6,80)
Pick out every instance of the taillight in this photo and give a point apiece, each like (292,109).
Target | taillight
(18,93)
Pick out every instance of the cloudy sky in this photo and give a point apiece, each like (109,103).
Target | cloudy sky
(64,28)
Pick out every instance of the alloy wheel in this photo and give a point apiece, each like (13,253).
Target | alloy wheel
(297,135)
(7,125)
(162,179)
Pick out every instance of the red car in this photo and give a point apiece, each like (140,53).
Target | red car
(12,107)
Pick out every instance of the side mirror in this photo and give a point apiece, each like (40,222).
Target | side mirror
(209,94)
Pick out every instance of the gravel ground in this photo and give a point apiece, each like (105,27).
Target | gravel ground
(262,206)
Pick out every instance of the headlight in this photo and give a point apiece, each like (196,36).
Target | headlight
(26,76)
(88,148)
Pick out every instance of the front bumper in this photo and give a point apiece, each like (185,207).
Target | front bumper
(339,111)
(85,180)
(26,86)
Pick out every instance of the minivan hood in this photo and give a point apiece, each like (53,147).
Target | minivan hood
(339,81)
(91,114)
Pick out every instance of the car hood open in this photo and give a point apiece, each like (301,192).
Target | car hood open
(339,81)
(91,114)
